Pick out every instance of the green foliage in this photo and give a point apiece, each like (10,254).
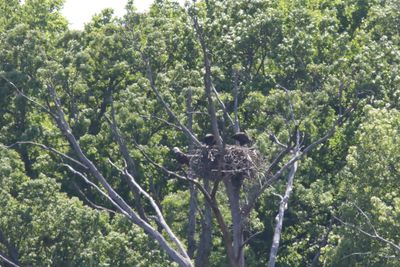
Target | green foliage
(369,182)
(310,59)
(50,229)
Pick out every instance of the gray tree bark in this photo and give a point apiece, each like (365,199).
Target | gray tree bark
(179,255)
(191,231)
(205,244)
(281,213)
(233,190)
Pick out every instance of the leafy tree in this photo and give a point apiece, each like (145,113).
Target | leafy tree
(93,116)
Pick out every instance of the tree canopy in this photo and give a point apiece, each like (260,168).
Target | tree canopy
(89,119)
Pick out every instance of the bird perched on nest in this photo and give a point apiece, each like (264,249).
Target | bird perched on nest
(181,157)
(209,139)
(242,138)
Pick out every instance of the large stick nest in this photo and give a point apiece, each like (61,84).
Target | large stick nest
(236,162)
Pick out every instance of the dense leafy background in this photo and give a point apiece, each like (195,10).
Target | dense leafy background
(327,53)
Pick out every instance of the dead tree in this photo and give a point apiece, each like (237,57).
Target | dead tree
(192,188)
(372,233)
(233,240)
(170,244)
(234,167)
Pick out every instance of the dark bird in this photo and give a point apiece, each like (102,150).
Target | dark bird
(209,140)
(181,157)
(242,138)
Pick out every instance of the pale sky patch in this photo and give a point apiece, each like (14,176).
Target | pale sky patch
(79,12)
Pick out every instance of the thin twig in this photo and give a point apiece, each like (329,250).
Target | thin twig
(55,151)
(295,158)
(208,82)
(221,103)
(289,101)
(275,140)
(366,217)
(209,198)
(162,120)
(126,155)
(153,86)
(122,205)
(355,254)
(374,236)
(98,189)
(91,203)
(4,258)
(20,92)
(156,208)
(245,242)
(236,101)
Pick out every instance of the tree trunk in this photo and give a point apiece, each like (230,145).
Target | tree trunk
(233,189)
(27,161)
(236,102)
(205,244)
(281,214)
(192,220)
(95,125)
(131,164)
(191,231)
(315,262)
(178,254)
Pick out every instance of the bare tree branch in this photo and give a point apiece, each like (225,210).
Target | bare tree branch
(275,140)
(222,104)
(205,240)
(369,253)
(315,262)
(5,259)
(91,203)
(153,86)
(21,93)
(55,151)
(159,215)
(128,159)
(374,235)
(279,218)
(98,189)
(289,102)
(356,254)
(245,242)
(162,120)
(293,159)
(209,198)
(207,77)
(193,205)
(236,101)
(366,217)
(12,250)
(125,208)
